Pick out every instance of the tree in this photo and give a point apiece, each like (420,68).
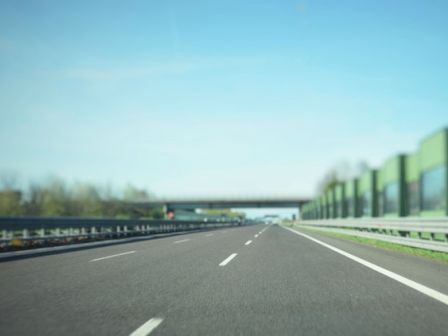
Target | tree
(224,213)
(11,203)
(34,200)
(340,172)
(56,198)
(10,196)
(329,181)
(133,194)
(85,201)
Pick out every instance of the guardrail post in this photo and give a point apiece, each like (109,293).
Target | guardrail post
(25,233)
(125,230)
(118,230)
(83,231)
(5,234)
(57,232)
(42,233)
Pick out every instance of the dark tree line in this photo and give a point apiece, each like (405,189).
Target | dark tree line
(56,198)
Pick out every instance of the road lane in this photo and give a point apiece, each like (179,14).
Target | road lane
(431,273)
(436,295)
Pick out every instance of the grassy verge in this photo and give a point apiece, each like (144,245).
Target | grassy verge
(434,255)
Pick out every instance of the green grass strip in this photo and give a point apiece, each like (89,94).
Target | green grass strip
(434,255)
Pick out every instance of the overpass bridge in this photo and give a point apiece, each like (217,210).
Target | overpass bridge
(224,203)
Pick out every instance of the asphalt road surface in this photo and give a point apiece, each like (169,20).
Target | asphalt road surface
(254,280)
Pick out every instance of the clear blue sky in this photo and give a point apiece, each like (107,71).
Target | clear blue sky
(217,97)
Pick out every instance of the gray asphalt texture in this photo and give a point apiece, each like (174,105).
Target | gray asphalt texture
(281,284)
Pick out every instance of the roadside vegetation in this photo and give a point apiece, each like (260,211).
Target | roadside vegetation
(55,197)
(229,213)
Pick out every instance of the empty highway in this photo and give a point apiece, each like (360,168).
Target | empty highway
(254,280)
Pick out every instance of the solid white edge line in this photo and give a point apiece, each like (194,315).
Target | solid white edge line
(112,256)
(228,259)
(181,241)
(147,327)
(401,279)
(256,236)
(248,242)
(209,234)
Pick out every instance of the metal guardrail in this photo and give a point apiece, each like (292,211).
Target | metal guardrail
(425,233)
(26,229)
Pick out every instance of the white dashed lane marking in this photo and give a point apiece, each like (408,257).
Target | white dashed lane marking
(112,256)
(228,259)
